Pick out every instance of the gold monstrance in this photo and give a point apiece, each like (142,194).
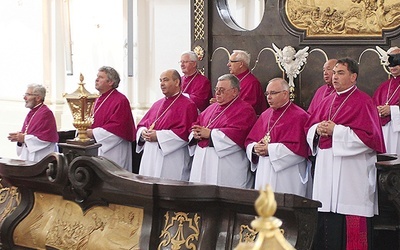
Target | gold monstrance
(81,102)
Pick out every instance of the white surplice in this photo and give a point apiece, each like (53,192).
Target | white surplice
(34,149)
(391,132)
(225,164)
(168,158)
(345,175)
(283,170)
(114,148)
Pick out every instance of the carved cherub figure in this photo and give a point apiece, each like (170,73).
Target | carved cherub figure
(291,61)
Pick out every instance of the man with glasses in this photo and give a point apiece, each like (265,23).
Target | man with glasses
(217,138)
(38,136)
(195,86)
(250,88)
(276,145)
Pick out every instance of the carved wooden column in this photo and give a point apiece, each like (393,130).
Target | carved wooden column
(199,34)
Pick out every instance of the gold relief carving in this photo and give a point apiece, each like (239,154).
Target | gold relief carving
(10,198)
(345,18)
(199,26)
(181,229)
(60,224)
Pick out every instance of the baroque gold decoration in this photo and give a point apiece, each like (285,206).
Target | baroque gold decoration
(81,103)
(10,198)
(180,231)
(199,25)
(247,234)
(202,71)
(199,52)
(345,18)
(270,236)
(59,224)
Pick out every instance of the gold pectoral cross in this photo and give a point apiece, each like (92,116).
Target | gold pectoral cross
(267,138)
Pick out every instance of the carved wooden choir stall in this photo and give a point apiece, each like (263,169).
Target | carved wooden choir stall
(90,203)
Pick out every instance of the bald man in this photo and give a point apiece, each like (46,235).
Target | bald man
(326,89)
(163,132)
(278,156)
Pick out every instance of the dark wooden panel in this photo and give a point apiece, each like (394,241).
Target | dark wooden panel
(272,29)
(94,182)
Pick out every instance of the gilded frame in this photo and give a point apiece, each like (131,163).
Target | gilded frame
(339,30)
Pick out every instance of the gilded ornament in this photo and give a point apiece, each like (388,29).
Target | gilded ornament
(60,224)
(10,198)
(180,231)
(346,18)
(199,32)
(199,52)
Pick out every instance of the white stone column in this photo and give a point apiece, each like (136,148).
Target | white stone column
(54,70)
(142,15)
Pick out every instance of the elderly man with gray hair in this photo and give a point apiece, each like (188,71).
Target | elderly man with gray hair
(195,86)
(250,87)
(38,136)
(217,138)
(113,126)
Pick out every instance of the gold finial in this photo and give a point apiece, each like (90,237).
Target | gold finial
(269,234)
(266,204)
(81,78)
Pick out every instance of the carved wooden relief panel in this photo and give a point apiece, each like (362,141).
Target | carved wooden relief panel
(60,224)
(10,198)
(346,18)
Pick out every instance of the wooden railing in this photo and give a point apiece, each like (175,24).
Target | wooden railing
(90,203)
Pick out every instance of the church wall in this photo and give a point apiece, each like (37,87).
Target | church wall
(33,51)
(276,28)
